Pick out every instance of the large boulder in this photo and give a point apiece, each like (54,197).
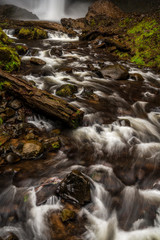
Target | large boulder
(116,72)
(103,7)
(14,12)
(75,188)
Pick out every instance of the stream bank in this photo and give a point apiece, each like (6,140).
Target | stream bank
(99,181)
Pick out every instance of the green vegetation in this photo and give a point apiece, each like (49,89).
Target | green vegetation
(1,122)
(32,33)
(56,145)
(143,40)
(9,58)
(66,90)
(4,83)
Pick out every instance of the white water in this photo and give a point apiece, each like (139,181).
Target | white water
(51,9)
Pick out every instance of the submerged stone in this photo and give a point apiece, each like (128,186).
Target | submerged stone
(75,188)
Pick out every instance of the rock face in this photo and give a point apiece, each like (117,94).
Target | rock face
(102,7)
(116,72)
(75,188)
(37,61)
(14,12)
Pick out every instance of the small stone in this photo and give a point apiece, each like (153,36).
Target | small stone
(15,104)
(30,136)
(9,112)
(12,158)
(137,77)
(37,61)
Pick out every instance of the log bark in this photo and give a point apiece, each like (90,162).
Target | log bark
(42,100)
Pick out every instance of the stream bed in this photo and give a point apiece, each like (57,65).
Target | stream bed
(117,149)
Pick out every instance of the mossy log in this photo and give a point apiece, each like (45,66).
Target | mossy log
(42,100)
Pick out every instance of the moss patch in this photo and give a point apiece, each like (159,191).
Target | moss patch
(32,33)
(143,39)
(9,59)
(66,90)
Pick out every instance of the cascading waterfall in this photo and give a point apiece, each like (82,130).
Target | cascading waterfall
(51,9)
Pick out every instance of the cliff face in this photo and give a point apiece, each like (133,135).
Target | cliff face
(127,5)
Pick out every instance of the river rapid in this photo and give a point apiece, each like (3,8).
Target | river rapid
(117,148)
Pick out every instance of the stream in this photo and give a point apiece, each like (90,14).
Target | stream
(117,148)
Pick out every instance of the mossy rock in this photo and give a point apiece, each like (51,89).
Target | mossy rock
(4,39)
(32,33)
(9,59)
(67,215)
(66,90)
(21,49)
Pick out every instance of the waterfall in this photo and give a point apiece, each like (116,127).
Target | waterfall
(51,9)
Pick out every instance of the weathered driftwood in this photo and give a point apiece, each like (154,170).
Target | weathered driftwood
(42,100)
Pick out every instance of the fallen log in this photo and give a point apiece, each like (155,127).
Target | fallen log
(42,100)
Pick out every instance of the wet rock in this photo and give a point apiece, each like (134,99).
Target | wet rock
(52,144)
(37,61)
(21,49)
(9,59)
(56,51)
(137,77)
(73,23)
(15,104)
(109,180)
(12,158)
(66,90)
(67,215)
(34,33)
(116,72)
(75,188)
(31,149)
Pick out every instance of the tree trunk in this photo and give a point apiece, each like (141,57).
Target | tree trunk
(42,100)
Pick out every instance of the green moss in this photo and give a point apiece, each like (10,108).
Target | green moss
(66,90)
(4,39)
(1,122)
(32,33)
(143,38)
(9,59)
(92,22)
(3,84)
(56,145)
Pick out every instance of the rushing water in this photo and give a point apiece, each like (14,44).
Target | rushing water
(118,148)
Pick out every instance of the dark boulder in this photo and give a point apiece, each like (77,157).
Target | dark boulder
(116,72)
(75,188)
(66,90)
(14,12)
